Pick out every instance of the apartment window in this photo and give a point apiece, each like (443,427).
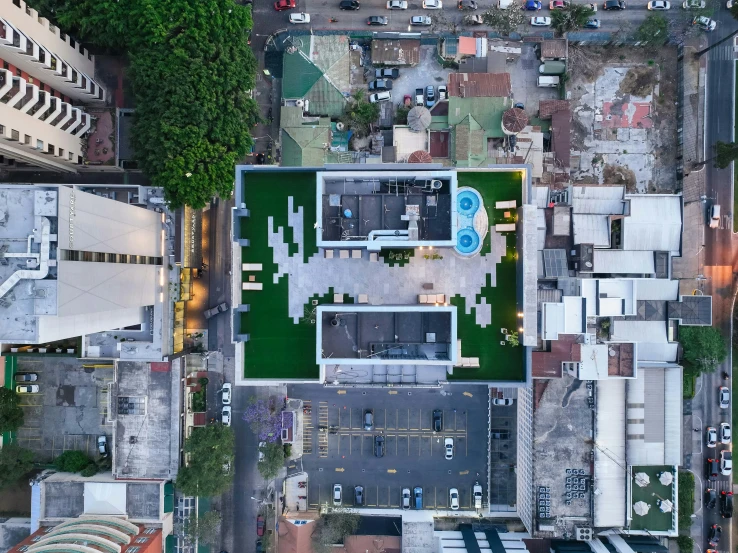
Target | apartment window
(133,549)
(39,144)
(71,156)
(18,72)
(2,129)
(150,531)
(37,538)
(14,135)
(5,65)
(18,5)
(27,139)
(61,152)
(23,548)
(142,540)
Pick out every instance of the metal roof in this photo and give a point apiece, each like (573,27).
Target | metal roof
(656,288)
(591,229)
(655,223)
(475,85)
(546,108)
(623,262)
(553,48)
(610,468)
(651,336)
(396,51)
(603,200)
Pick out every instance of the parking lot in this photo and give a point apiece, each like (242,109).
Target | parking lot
(503,456)
(414,454)
(69,411)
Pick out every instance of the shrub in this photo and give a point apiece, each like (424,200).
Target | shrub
(89,470)
(72,461)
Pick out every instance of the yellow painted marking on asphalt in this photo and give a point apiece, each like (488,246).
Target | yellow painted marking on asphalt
(291,466)
(340,392)
(392,392)
(468,394)
(463,473)
(391,471)
(341,469)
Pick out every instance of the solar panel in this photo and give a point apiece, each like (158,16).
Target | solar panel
(554,263)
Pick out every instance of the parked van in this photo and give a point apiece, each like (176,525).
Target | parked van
(715,216)
(548,82)
(477,495)
(552,68)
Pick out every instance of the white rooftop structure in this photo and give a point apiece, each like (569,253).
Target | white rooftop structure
(603,200)
(610,474)
(652,337)
(566,317)
(591,229)
(623,262)
(609,297)
(654,223)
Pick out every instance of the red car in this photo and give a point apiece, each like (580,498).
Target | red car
(260,519)
(281,5)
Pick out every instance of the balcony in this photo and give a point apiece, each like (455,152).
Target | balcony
(42,106)
(30,99)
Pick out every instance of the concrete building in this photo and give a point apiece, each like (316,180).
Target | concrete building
(45,79)
(74,263)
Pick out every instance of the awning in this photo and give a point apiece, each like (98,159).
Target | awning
(189,227)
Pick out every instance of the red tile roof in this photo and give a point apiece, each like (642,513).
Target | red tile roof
(561,137)
(547,364)
(479,85)
(546,108)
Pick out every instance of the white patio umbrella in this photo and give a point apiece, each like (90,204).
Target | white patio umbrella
(641,508)
(665,505)
(642,479)
(666,478)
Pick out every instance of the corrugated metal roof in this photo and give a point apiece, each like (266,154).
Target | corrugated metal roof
(655,223)
(479,85)
(623,262)
(546,108)
(609,455)
(603,200)
(554,48)
(396,51)
(540,196)
(591,229)
(561,137)
(656,288)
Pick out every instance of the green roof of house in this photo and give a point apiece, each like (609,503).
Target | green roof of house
(473,121)
(304,139)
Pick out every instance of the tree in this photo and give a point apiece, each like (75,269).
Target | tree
(685,544)
(704,348)
(360,114)
(333,529)
(15,463)
(72,461)
(265,420)
(571,18)
(504,21)
(191,71)
(654,31)
(210,453)
(203,528)
(89,470)
(273,460)
(11,414)
(725,154)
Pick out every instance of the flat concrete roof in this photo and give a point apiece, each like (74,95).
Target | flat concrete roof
(64,499)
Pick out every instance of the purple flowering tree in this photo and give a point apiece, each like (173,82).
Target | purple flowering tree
(265,420)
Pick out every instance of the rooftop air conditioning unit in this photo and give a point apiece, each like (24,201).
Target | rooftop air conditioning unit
(584,534)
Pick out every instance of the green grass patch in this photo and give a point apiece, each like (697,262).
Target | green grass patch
(686,499)
(688,386)
(497,362)
(654,519)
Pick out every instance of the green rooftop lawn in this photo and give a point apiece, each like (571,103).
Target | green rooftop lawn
(496,362)
(655,520)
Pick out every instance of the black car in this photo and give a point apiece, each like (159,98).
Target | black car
(715,534)
(710,498)
(259,546)
(381,84)
(387,73)
(437,420)
(349,5)
(614,5)
(726,504)
(379,446)
(377,20)
(26,377)
(359,495)
(712,467)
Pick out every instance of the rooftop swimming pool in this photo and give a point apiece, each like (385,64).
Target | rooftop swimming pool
(468,203)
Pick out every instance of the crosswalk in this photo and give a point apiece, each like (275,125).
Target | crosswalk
(724,52)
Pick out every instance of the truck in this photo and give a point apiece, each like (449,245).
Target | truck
(548,82)
(419,97)
(220,308)
(477,493)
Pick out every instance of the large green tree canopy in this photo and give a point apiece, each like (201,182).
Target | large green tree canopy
(210,451)
(191,73)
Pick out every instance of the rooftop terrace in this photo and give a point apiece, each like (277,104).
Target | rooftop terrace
(290,277)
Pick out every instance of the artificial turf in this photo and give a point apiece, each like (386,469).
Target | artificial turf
(655,520)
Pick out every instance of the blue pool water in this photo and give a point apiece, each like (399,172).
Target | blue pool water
(467,240)
(467,203)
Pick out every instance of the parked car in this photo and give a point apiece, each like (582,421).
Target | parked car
(337,492)
(225,415)
(658,5)
(418,495)
(359,495)
(714,215)
(726,504)
(725,433)
(518,105)
(477,491)
(27,389)
(453,499)
(298,18)
(448,444)
(592,24)
(442,92)
(724,397)
(726,463)
(421,21)
(557,4)
(419,97)
(533,5)
(432,4)
(712,467)
(377,20)
(437,420)
(281,5)
(387,73)
(102,446)
(467,4)
(261,447)
(710,498)
(380,84)
(396,4)
(260,524)
(694,4)
(711,436)
(406,498)
(430,96)
(349,5)
(716,531)
(26,377)
(259,547)
(379,446)
(614,5)
(474,20)
(384,96)
(226,393)
(540,21)
(705,23)
(368,420)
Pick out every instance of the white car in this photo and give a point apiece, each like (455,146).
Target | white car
(538,21)
(262,445)
(453,496)
(694,4)
(711,436)
(421,21)
(227,394)
(725,433)
(504,402)
(337,489)
(396,4)
(297,18)
(724,397)
(102,446)
(384,96)
(442,92)
(449,445)
(432,4)
(714,216)
(726,462)
(658,5)
(705,23)
(406,498)
(225,415)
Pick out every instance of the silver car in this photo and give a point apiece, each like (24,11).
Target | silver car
(337,490)
(724,397)
(406,498)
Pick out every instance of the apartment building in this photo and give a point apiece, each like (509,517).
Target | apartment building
(45,80)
